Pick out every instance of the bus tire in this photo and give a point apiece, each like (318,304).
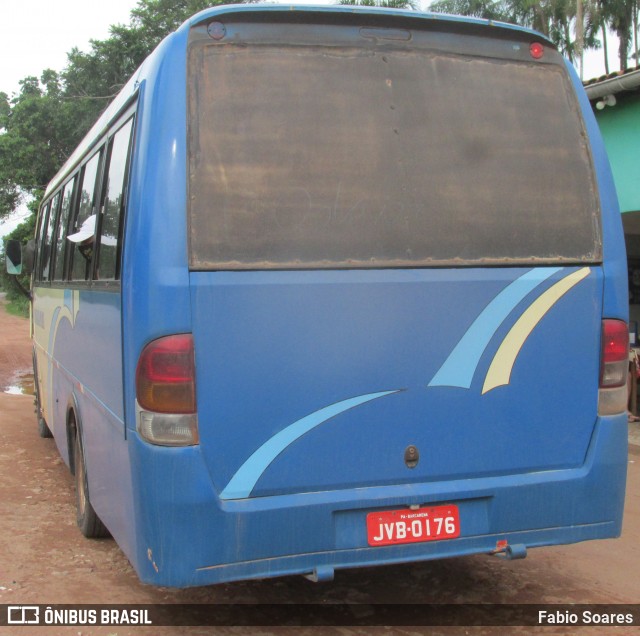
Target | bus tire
(43,428)
(86,517)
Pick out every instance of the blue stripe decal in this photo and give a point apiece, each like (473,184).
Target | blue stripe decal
(459,368)
(243,482)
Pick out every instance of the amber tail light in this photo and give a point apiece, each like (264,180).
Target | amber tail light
(166,392)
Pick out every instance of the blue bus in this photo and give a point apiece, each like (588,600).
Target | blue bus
(334,287)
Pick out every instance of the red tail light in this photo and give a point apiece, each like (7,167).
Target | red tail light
(537,50)
(615,354)
(165,377)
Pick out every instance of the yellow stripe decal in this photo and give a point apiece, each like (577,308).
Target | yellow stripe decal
(499,372)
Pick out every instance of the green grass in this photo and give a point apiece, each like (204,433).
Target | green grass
(18,307)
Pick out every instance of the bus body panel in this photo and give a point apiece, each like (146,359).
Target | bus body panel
(614,265)
(65,326)
(297,534)
(320,381)
(155,275)
(78,344)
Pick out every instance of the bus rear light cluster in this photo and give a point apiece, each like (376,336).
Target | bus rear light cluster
(166,392)
(614,367)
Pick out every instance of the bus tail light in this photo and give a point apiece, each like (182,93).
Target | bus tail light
(166,392)
(614,367)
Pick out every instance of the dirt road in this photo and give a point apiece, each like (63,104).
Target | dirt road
(44,559)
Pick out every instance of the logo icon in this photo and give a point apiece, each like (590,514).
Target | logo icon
(23,615)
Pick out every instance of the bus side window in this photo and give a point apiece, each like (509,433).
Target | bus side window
(42,224)
(47,245)
(82,251)
(114,202)
(61,235)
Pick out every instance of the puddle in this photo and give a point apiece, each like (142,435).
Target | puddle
(21,384)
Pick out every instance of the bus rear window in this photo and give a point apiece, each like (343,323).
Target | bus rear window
(338,157)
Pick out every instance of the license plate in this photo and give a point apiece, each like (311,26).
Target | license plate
(393,527)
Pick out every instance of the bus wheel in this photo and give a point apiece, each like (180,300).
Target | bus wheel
(88,521)
(43,428)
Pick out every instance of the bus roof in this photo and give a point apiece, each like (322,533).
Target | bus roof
(354,9)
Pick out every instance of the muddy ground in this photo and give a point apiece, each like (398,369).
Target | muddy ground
(45,560)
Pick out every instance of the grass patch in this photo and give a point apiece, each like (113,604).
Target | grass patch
(18,307)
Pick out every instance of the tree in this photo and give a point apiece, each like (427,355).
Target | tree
(390,4)
(601,8)
(623,19)
(486,9)
(39,130)
(635,7)
(43,123)
(9,194)
(549,17)
(98,75)
(15,296)
(589,22)
(556,19)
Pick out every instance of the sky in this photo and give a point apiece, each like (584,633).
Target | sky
(38,34)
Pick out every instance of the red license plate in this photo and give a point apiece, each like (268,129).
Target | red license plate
(393,527)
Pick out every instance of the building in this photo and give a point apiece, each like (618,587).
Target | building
(616,103)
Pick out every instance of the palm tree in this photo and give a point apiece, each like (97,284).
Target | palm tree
(588,21)
(602,8)
(487,9)
(552,18)
(560,19)
(635,9)
(623,19)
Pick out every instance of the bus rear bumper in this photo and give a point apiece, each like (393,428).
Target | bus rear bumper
(188,536)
